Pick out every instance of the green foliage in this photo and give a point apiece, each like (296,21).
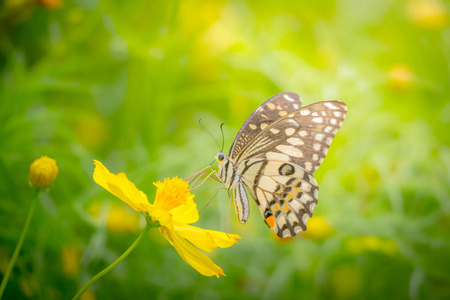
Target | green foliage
(125,83)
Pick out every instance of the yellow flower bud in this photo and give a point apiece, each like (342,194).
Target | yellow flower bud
(43,172)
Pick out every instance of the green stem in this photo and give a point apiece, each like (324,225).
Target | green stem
(114,264)
(19,244)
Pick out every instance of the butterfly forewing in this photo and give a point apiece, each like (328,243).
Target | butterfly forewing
(302,137)
(265,115)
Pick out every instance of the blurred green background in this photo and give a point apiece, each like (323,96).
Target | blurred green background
(125,82)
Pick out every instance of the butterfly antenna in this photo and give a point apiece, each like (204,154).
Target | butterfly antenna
(200,122)
(223,138)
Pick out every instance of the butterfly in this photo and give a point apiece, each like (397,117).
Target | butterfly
(274,157)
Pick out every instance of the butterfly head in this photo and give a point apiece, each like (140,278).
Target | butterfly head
(224,164)
(220,157)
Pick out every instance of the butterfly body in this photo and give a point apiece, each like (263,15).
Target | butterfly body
(274,156)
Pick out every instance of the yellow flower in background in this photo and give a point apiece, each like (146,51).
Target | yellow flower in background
(430,14)
(372,243)
(29,285)
(89,295)
(120,218)
(318,229)
(174,208)
(346,281)
(70,261)
(43,171)
(400,77)
(91,131)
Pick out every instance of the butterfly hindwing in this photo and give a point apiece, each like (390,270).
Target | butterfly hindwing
(265,115)
(286,193)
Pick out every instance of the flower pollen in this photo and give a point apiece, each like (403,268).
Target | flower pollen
(171,193)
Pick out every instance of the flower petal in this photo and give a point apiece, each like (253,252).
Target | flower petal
(194,257)
(206,240)
(121,187)
(186,213)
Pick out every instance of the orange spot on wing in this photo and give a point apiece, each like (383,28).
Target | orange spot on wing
(270,221)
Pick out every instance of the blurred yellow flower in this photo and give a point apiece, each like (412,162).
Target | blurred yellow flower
(174,208)
(430,14)
(346,281)
(88,295)
(372,243)
(206,13)
(70,260)
(91,131)
(14,3)
(400,77)
(29,285)
(318,229)
(43,171)
(120,218)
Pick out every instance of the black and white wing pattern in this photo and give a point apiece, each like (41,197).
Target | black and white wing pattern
(265,115)
(274,156)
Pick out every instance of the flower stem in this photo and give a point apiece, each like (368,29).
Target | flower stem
(114,264)
(19,244)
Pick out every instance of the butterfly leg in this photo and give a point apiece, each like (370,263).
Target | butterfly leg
(197,175)
(212,175)
(194,176)
(210,199)
(229,205)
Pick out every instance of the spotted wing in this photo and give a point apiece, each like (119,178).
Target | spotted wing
(265,115)
(302,137)
(285,193)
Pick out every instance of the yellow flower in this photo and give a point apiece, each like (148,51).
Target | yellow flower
(431,14)
(70,261)
(346,281)
(91,131)
(400,77)
(318,229)
(43,172)
(120,219)
(174,208)
(372,243)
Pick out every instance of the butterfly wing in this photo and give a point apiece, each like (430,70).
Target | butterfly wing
(285,193)
(302,137)
(276,152)
(265,115)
